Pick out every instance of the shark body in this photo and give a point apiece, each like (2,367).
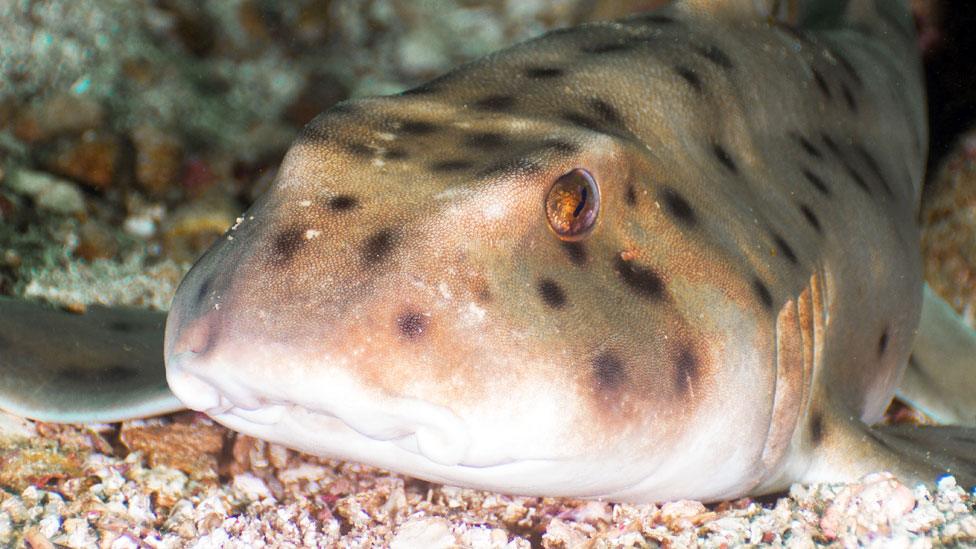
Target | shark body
(672,256)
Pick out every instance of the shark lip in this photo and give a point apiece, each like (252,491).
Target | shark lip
(425,429)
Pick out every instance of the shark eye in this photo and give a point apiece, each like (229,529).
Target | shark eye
(573,204)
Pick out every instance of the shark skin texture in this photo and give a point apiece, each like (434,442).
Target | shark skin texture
(673,256)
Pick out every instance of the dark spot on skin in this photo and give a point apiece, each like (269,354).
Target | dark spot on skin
(816,428)
(121,326)
(883,342)
(762,292)
(855,175)
(643,281)
(873,166)
(630,195)
(511,166)
(485,140)
(576,252)
(560,146)
(609,371)
(423,89)
(286,244)
(715,54)
(203,291)
(821,83)
(357,149)
(723,156)
(583,121)
(543,72)
(811,218)
(552,294)
(111,374)
(495,103)
(454,165)
(417,127)
(690,77)
(809,147)
(678,207)
(343,202)
(784,249)
(606,111)
(378,246)
(657,18)
(831,144)
(849,97)
(817,182)
(395,154)
(613,47)
(412,324)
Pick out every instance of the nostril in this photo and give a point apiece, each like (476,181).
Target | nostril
(195,393)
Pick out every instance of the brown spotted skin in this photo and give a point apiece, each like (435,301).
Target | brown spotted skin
(755,244)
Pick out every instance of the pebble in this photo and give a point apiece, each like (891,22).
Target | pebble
(58,115)
(159,157)
(48,192)
(91,159)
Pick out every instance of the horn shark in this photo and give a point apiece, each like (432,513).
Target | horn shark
(670,256)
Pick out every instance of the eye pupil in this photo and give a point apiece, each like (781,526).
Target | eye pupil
(582,202)
(573,204)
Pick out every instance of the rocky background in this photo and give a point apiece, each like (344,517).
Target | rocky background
(133,132)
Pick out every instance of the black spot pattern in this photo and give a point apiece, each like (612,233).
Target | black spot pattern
(630,195)
(809,147)
(821,84)
(784,249)
(583,121)
(544,72)
(811,218)
(486,140)
(724,157)
(691,77)
(357,149)
(395,154)
(560,146)
(286,245)
(715,54)
(643,281)
(453,165)
(883,342)
(678,207)
(817,182)
(204,290)
(551,293)
(121,326)
(816,428)
(606,112)
(873,165)
(412,324)
(611,47)
(417,127)
(115,373)
(576,252)
(609,371)
(495,103)
(849,97)
(511,166)
(378,246)
(657,18)
(343,202)
(762,292)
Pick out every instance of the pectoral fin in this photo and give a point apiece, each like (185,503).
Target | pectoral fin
(102,366)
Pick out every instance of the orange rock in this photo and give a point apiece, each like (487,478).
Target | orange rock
(193,448)
(159,158)
(91,159)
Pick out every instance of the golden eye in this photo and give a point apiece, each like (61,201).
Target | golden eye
(573,204)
